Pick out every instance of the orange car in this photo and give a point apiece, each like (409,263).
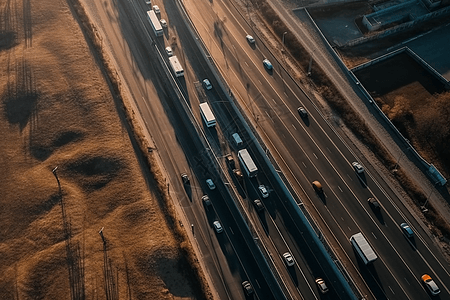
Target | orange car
(430,284)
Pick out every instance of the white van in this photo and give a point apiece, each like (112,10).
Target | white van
(237,140)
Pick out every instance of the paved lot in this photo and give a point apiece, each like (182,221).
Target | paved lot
(434,48)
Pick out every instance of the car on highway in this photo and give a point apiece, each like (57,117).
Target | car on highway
(407,231)
(230,161)
(317,186)
(206,200)
(258,205)
(358,168)
(206,84)
(250,39)
(430,284)
(373,203)
(321,285)
(248,289)
(163,23)
(148,2)
(238,174)
(288,259)
(217,226)
(210,184)
(156,9)
(302,112)
(267,64)
(263,190)
(169,51)
(185,178)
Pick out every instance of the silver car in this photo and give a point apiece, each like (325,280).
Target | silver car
(288,259)
(218,227)
(358,168)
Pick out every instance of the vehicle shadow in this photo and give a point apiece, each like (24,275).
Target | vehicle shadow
(306,121)
(262,217)
(362,179)
(322,197)
(293,274)
(188,190)
(370,276)
(379,216)
(412,242)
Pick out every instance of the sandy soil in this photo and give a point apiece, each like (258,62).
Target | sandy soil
(57,110)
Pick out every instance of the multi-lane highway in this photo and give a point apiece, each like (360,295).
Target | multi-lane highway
(229,257)
(310,150)
(305,150)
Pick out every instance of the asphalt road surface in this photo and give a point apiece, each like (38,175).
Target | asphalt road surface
(311,150)
(306,150)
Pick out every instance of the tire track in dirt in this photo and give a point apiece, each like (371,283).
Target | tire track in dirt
(8,25)
(74,257)
(27,23)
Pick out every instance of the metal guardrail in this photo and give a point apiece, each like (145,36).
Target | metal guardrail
(231,190)
(284,182)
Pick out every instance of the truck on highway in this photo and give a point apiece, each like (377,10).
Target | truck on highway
(156,25)
(176,66)
(363,248)
(207,115)
(247,163)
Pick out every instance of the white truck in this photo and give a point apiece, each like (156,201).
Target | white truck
(247,162)
(363,248)
(156,25)
(176,66)
(207,115)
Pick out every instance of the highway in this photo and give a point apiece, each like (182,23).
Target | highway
(310,151)
(226,257)
(305,150)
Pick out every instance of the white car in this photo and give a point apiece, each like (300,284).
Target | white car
(163,23)
(210,184)
(206,84)
(264,191)
(169,51)
(218,227)
(357,166)
(267,64)
(288,259)
(148,2)
(156,9)
(250,39)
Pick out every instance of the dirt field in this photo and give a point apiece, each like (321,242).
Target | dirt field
(414,101)
(57,110)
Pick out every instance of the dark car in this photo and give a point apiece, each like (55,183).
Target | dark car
(374,204)
(230,162)
(238,174)
(206,200)
(258,205)
(407,231)
(248,289)
(302,112)
(185,178)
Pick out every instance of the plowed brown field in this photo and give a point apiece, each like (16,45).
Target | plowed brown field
(57,110)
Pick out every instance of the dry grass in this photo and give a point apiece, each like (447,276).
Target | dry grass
(57,110)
